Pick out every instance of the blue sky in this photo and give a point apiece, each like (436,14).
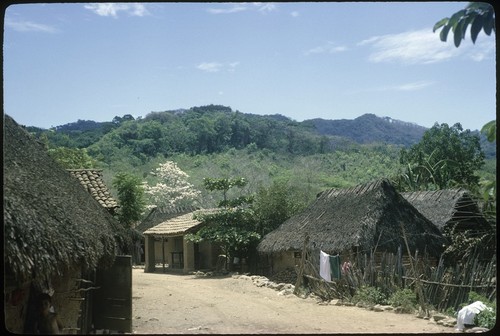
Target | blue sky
(330,60)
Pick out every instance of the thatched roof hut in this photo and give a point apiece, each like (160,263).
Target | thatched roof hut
(449,208)
(50,222)
(361,218)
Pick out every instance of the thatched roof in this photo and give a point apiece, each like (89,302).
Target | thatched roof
(161,214)
(178,225)
(91,180)
(342,219)
(50,221)
(448,207)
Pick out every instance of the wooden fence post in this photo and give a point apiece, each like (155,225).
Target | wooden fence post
(300,279)
(418,285)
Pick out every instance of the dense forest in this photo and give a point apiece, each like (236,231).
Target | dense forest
(215,141)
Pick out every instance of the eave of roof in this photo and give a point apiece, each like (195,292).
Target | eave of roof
(178,225)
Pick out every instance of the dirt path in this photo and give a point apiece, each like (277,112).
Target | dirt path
(185,304)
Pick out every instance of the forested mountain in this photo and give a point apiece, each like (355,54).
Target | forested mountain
(217,128)
(369,128)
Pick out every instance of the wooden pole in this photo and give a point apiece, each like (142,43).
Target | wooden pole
(417,278)
(163,252)
(300,279)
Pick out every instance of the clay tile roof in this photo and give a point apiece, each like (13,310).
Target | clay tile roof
(162,214)
(91,180)
(178,225)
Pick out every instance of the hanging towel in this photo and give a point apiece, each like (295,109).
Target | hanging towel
(324,266)
(335,267)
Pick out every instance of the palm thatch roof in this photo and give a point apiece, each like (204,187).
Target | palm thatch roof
(159,215)
(50,222)
(178,225)
(449,207)
(92,181)
(361,217)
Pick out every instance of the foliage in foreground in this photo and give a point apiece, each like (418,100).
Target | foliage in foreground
(130,198)
(232,227)
(404,298)
(369,295)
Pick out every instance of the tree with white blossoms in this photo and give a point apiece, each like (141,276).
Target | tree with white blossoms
(172,188)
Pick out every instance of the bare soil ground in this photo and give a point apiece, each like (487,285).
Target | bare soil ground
(186,304)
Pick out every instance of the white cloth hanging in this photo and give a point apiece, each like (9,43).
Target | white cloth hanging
(324,266)
(467,314)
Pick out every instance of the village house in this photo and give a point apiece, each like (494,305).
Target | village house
(449,209)
(165,244)
(56,237)
(454,211)
(368,218)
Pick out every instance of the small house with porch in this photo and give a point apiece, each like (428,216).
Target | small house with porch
(167,247)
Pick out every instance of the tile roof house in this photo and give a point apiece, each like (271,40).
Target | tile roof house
(159,215)
(165,243)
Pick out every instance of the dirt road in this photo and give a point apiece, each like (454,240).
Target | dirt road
(186,304)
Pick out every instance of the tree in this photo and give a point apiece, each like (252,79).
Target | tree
(490,131)
(130,198)
(72,158)
(479,15)
(172,188)
(275,204)
(445,157)
(233,227)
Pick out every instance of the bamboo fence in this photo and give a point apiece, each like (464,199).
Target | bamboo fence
(441,286)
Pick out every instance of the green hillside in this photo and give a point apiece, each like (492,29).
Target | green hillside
(215,141)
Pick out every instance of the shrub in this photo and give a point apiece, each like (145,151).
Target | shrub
(404,298)
(369,295)
(487,318)
(473,297)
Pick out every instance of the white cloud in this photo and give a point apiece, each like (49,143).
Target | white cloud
(482,50)
(232,9)
(329,47)
(216,66)
(112,9)
(210,66)
(294,14)
(240,7)
(264,7)
(27,26)
(413,86)
(413,47)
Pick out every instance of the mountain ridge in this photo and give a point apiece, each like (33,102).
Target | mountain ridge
(365,129)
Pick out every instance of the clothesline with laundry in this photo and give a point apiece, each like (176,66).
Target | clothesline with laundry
(330,266)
